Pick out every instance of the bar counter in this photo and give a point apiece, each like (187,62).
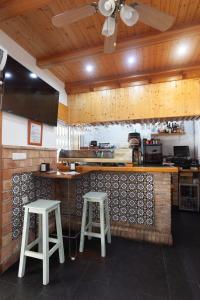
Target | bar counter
(139,198)
(129,168)
(126,168)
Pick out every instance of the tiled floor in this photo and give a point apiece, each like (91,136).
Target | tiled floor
(131,270)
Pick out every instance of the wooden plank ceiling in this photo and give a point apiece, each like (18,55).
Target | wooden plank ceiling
(66,51)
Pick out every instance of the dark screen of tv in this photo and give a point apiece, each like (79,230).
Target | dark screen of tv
(27,95)
(181,151)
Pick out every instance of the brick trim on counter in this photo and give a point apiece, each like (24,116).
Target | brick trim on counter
(9,248)
(175,189)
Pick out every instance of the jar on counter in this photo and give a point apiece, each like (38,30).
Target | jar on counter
(72,166)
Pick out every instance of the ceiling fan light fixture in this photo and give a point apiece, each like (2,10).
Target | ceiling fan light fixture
(109,27)
(129,15)
(106,7)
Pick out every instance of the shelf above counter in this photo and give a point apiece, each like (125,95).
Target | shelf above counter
(95,160)
(167,134)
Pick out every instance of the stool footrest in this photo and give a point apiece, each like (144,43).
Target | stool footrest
(52,240)
(33,243)
(92,234)
(93,224)
(96,225)
(40,255)
(53,249)
(33,254)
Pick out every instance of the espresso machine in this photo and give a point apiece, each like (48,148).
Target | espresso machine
(134,141)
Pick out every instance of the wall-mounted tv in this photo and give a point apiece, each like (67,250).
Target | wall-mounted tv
(27,95)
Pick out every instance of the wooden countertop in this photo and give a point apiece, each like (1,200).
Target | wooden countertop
(129,168)
(189,170)
(81,170)
(60,174)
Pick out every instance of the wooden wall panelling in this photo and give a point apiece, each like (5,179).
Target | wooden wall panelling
(63,113)
(153,101)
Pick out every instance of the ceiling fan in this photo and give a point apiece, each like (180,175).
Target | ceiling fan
(112,9)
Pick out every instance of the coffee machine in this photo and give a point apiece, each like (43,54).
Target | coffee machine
(134,141)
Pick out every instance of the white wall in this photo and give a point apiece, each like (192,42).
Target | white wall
(118,135)
(15,128)
(15,132)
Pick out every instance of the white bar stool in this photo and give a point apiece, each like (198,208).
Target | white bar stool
(86,230)
(43,208)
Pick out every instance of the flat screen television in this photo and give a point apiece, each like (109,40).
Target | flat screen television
(26,95)
(181,151)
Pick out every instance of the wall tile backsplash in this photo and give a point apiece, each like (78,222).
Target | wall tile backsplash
(131,196)
(25,185)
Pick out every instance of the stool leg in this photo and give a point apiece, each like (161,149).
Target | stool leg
(108,222)
(45,246)
(59,235)
(90,220)
(102,228)
(25,234)
(40,234)
(81,247)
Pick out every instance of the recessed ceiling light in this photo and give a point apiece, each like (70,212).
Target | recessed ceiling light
(182,50)
(8,75)
(32,75)
(89,68)
(131,60)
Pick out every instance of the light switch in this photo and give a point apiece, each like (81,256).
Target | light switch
(19,156)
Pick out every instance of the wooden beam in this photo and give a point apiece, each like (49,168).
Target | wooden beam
(130,79)
(14,8)
(131,43)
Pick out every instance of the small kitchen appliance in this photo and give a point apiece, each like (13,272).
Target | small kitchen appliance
(134,141)
(44,167)
(152,154)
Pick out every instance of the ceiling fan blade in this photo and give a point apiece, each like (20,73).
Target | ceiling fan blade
(74,15)
(110,42)
(153,17)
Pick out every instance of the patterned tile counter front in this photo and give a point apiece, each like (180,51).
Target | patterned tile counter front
(140,203)
(27,185)
(131,198)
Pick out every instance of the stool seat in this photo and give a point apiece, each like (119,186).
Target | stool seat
(42,205)
(86,229)
(97,196)
(42,208)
